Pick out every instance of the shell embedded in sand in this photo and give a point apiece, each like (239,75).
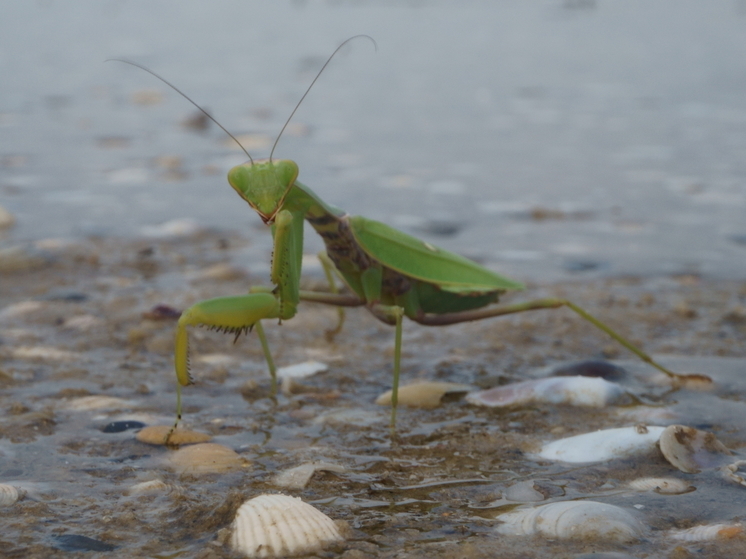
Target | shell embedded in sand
(600,446)
(205,458)
(281,526)
(299,476)
(573,520)
(691,450)
(152,487)
(424,394)
(98,403)
(662,485)
(8,495)
(707,532)
(572,391)
(156,434)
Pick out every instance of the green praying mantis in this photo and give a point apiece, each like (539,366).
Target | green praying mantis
(388,272)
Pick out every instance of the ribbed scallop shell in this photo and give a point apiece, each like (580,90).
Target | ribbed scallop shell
(8,495)
(573,520)
(281,526)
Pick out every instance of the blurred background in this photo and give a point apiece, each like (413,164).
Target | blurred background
(547,139)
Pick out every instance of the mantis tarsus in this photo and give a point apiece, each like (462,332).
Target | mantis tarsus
(390,273)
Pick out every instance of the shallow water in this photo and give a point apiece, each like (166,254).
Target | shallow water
(74,327)
(550,139)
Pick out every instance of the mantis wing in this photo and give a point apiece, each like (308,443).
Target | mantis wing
(419,260)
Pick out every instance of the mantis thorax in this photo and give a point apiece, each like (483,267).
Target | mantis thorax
(264,184)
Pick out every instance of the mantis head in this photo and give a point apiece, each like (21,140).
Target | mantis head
(264,184)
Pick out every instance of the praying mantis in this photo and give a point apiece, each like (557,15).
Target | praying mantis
(390,273)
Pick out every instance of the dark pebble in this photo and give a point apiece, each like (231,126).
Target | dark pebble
(162,312)
(67,296)
(441,227)
(74,542)
(582,265)
(120,426)
(592,368)
(738,239)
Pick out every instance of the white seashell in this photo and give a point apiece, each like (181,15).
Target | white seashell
(6,218)
(302,370)
(44,353)
(216,360)
(298,477)
(730,472)
(603,445)
(176,228)
(573,520)
(151,487)
(206,458)
(662,485)
(691,450)
(523,492)
(352,416)
(424,394)
(281,526)
(8,495)
(19,309)
(98,403)
(573,391)
(707,532)
(84,323)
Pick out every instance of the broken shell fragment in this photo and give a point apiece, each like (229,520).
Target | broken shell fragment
(691,450)
(156,434)
(8,495)
(523,492)
(573,391)
(707,532)
(730,472)
(662,485)
(205,458)
(302,370)
(600,446)
(281,526)
(424,394)
(573,520)
(298,477)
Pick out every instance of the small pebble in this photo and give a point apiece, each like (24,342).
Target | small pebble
(156,434)
(206,458)
(121,426)
(75,542)
(425,394)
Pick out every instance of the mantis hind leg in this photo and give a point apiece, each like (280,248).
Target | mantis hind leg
(329,271)
(467,316)
(267,355)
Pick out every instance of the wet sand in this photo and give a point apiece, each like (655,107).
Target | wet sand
(84,344)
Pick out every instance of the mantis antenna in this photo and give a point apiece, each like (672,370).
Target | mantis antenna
(328,60)
(185,96)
